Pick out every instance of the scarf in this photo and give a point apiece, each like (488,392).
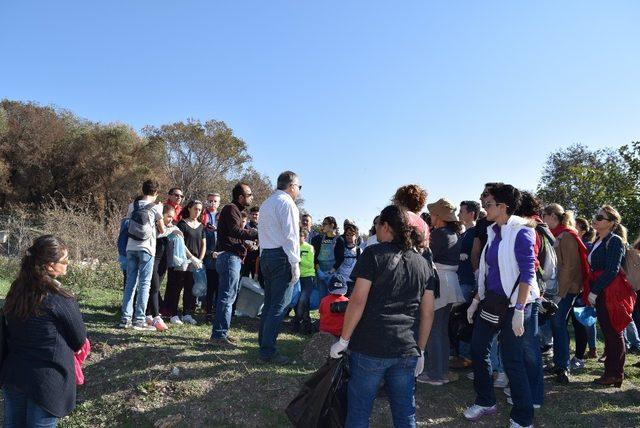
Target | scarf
(584,263)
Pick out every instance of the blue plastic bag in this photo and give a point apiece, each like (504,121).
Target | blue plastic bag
(199,282)
(177,257)
(586,315)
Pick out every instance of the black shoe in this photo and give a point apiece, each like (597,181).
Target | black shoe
(562,377)
(277,359)
(634,350)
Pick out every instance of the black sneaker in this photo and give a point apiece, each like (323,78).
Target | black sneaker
(277,359)
(562,377)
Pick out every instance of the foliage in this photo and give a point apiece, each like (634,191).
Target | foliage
(582,180)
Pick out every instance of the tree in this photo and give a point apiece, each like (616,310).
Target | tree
(261,186)
(200,156)
(582,180)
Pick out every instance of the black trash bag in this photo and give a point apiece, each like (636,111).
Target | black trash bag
(322,400)
(459,327)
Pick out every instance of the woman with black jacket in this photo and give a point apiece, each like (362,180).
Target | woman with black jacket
(44,329)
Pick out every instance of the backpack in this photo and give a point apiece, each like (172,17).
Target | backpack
(123,237)
(548,259)
(631,267)
(140,226)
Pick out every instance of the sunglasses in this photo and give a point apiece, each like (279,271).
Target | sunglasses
(178,195)
(600,217)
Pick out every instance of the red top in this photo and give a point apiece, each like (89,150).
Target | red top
(329,321)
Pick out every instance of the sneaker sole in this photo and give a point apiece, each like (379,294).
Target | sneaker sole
(484,413)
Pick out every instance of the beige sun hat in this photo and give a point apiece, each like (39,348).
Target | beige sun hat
(444,209)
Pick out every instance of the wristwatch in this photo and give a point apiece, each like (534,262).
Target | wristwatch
(519,306)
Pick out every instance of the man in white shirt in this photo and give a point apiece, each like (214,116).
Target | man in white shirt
(279,237)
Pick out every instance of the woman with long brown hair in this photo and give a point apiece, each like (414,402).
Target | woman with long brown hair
(44,329)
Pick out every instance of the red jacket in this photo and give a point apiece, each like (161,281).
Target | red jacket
(79,360)
(619,298)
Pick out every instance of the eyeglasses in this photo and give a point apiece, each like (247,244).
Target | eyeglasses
(297,184)
(488,204)
(600,217)
(177,195)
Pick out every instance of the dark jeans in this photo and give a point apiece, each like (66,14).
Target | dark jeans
(581,335)
(302,308)
(636,311)
(613,342)
(276,272)
(155,301)
(212,291)
(366,374)
(513,359)
(560,333)
(533,356)
(437,360)
(20,411)
(179,281)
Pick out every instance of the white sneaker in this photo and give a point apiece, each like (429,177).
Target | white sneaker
(510,402)
(475,412)
(149,320)
(189,320)
(143,326)
(514,424)
(501,381)
(175,320)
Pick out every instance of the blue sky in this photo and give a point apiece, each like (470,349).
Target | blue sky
(358,97)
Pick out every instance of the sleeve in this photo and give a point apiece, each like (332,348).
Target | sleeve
(525,256)
(157,209)
(129,210)
(233,219)
(69,317)
(338,252)
(568,263)
(365,266)
(316,242)
(203,234)
(290,228)
(614,253)
(438,244)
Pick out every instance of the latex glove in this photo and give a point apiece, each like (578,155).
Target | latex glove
(517,322)
(420,365)
(295,274)
(541,309)
(473,307)
(592,298)
(338,348)
(196,262)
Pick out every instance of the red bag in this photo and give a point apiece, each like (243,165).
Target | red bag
(79,359)
(619,298)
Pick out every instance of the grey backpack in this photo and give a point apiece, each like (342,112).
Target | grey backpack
(140,224)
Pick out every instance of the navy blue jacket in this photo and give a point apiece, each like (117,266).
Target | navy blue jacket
(607,257)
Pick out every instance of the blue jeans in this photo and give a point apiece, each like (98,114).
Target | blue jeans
(228,267)
(302,308)
(533,356)
(494,355)
(140,269)
(631,336)
(276,273)
(560,332)
(513,358)
(20,411)
(366,373)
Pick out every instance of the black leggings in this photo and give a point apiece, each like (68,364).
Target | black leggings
(153,305)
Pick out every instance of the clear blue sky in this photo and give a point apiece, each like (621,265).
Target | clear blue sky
(357,97)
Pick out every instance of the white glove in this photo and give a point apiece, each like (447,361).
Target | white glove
(339,347)
(473,307)
(517,322)
(420,365)
(196,262)
(592,298)
(295,274)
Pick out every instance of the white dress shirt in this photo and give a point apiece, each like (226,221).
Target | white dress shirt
(279,225)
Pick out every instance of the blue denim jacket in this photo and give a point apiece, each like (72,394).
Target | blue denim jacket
(607,257)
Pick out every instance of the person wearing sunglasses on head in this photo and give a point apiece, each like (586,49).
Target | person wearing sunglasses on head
(609,292)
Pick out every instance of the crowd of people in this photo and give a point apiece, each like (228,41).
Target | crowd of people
(488,285)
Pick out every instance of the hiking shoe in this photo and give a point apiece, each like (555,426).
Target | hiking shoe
(278,359)
(159,324)
(223,342)
(424,378)
(514,424)
(475,412)
(143,326)
(175,320)
(149,320)
(592,353)
(510,402)
(189,320)
(562,377)
(501,381)
(125,324)
(460,363)
(577,364)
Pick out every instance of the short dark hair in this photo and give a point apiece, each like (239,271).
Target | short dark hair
(508,195)
(285,179)
(332,221)
(472,207)
(150,187)
(529,205)
(173,189)
(254,210)
(238,190)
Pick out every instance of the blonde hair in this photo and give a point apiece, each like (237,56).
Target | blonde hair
(615,217)
(564,217)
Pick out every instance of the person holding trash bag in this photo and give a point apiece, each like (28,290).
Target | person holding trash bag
(392,300)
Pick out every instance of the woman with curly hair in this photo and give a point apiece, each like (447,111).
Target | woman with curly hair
(412,198)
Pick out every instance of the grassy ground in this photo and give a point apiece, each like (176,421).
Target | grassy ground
(129,382)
